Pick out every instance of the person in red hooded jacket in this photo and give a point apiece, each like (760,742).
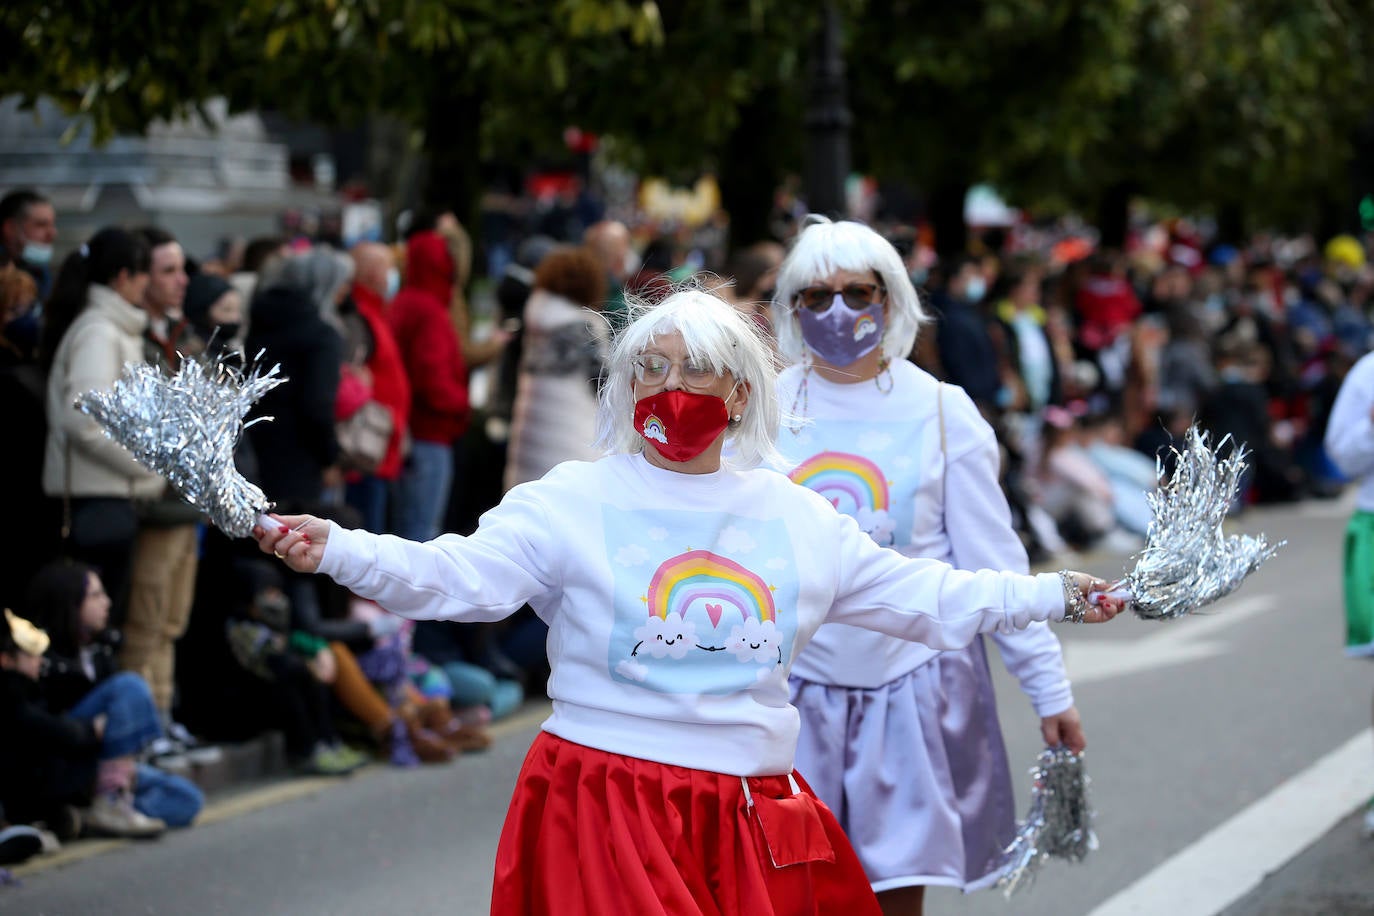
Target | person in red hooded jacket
(433,358)
(375,282)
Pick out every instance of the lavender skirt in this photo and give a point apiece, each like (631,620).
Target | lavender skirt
(915,770)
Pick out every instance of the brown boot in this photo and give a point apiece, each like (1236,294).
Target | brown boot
(429,746)
(440,719)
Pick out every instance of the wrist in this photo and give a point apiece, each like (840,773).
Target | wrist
(1075,605)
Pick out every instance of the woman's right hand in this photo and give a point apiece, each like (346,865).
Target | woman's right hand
(297,540)
(1105,608)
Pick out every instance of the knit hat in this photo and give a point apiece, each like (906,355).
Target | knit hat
(202,292)
(29,639)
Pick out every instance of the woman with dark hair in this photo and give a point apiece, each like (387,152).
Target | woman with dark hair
(93,326)
(81,680)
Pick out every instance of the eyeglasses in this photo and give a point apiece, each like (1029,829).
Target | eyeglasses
(654,369)
(857,296)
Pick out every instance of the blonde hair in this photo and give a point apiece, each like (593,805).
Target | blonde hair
(715,334)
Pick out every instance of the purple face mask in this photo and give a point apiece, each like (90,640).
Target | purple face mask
(840,335)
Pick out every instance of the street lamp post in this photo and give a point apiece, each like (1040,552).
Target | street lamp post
(827,122)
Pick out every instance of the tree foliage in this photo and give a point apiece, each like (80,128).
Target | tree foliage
(1060,101)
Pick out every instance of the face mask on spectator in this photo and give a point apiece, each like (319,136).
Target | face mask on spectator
(975,289)
(393,283)
(37,254)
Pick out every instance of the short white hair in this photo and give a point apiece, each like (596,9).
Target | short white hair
(825,247)
(715,334)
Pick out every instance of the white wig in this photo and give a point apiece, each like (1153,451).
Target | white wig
(824,248)
(715,334)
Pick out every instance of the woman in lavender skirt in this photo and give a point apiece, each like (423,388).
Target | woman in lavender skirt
(901,741)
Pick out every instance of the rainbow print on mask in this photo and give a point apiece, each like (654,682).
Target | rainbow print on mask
(654,429)
(850,482)
(865,326)
(700,575)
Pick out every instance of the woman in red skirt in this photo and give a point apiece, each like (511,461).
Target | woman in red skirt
(678,587)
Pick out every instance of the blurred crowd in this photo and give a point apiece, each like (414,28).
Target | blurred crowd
(139,639)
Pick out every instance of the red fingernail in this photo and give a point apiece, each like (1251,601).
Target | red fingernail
(306,539)
(285,530)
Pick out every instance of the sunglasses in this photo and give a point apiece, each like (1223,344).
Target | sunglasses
(857,296)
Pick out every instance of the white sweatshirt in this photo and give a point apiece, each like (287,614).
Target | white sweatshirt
(1350,430)
(876,455)
(676,603)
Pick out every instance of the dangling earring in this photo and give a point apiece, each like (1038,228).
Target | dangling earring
(884,367)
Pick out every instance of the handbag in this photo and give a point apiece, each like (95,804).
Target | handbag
(364,437)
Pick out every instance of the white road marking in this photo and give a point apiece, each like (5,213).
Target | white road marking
(1175,642)
(1232,859)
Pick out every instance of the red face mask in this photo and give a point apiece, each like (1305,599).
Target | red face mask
(680,424)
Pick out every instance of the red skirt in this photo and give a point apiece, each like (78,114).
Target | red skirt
(593,833)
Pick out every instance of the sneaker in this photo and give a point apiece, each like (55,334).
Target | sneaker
(349,757)
(115,815)
(196,751)
(325,761)
(19,844)
(168,755)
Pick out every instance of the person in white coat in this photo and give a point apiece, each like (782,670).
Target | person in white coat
(93,326)
(561,362)
(678,589)
(1350,444)
(901,740)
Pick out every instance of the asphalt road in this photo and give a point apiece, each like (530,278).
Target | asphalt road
(1193,727)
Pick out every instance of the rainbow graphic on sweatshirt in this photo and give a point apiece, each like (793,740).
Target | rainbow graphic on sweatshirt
(700,575)
(846,480)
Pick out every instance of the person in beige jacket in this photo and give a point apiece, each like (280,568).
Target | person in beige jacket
(94,325)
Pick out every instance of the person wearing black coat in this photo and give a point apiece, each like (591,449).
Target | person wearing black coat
(295,323)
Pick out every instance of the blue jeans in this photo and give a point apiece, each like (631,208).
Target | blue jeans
(476,686)
(171,798)
(368,496)
(422,496)
(131,721)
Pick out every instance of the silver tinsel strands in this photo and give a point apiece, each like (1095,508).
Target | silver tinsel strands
(1188,561)
(185,427)
(1059,823)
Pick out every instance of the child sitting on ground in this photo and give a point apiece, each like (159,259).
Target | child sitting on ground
(50,761)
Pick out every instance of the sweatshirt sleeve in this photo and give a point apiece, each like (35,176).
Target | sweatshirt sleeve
(982,537)
(486,576)
(925,600)
(1350,429)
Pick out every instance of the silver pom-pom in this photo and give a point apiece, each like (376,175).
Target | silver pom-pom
(1059,823)
(1188,561)
(186,427)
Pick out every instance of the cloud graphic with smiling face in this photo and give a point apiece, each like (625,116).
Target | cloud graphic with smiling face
(754,641)
(670,638)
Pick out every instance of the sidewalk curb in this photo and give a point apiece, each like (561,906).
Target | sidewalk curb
(250,793)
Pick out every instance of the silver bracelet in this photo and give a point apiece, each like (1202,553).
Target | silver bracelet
(1076,607)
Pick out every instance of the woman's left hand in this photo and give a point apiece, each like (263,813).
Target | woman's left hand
(1064,730)
(297,540)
